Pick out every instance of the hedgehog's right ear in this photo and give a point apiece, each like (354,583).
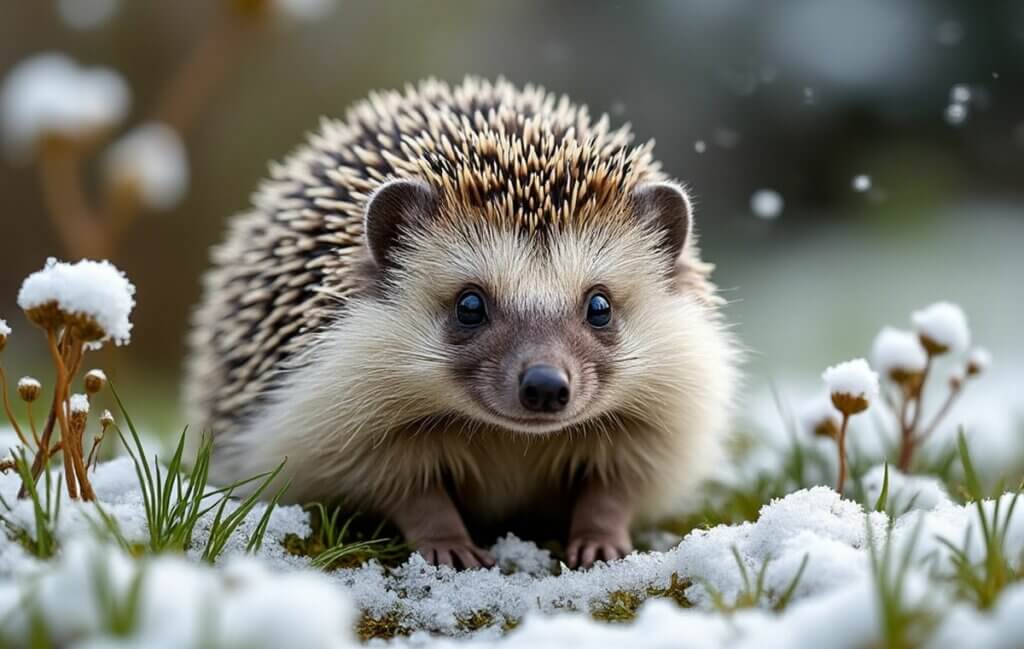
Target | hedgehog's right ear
(397,205)
(665,207)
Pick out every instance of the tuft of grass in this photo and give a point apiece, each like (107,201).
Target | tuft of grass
(754,592)
(982,582)
(622,605)
(175,500)
(346,541)
(903,626)
(42,543)
(385,627)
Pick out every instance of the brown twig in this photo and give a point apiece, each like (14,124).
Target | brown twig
(10,411)
(82,232)
(841,441)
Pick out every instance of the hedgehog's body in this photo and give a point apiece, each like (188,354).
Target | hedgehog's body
(471,295)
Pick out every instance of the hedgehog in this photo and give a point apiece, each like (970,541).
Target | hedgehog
(463,306)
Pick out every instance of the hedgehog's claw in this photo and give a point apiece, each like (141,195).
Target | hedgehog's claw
(455,554)
(585,551)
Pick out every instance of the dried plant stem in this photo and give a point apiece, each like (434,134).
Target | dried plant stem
(841,442)
(32,425)
(61,389)
(82,232)
(954,393)
(9,411)
(201,72)
(909,436)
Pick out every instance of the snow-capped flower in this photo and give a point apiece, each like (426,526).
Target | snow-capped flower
(852,385)
(5,331)
(819,417)
(978,361)
(78,404)
(106,419)
(51,95)
(956,378)
(898,355)
(86,14)
(766,204)
(94,381)
(93,298)
(942,328)
(150,161)
(29,389)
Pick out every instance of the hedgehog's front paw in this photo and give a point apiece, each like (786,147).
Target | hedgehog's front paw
(587,547)
(454,552)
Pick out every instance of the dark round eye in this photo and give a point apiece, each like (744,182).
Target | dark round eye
(599,311)
(470,309)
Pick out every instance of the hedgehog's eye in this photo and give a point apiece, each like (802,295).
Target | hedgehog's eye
(599,310)
(470,309)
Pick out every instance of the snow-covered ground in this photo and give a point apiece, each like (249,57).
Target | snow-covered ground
(277,599)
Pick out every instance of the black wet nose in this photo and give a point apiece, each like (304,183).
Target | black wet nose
(544,388)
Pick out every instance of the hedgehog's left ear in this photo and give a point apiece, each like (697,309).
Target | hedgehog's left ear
(396,206)
(665,207)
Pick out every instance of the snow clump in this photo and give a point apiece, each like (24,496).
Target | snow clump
(942,328)
(150,160)
(898,353)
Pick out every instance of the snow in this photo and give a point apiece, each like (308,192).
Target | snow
(766,204)
(956,114)
(896,350)
(78,403)
(151,159)
(852,378)
(86,14)
(945,324)
(960,93)
(861,183)
(96,289)
(700,146)
(979,360)
(50,94)
(5,329)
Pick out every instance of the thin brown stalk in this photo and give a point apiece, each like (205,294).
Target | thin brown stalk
(81,231)
(32,425)
(9,411)
(841,441)
(61,389)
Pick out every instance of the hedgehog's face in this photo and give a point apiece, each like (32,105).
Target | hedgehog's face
(531,333)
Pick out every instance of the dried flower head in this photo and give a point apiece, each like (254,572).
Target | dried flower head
(5,331)
(852,385)
(92,299)
(51,96)
(899,356)
(819,417)
(106,419)
(95,380)
(78,411)
(29,389)
(956,379)
(149,162)
(942,328)
(978,361)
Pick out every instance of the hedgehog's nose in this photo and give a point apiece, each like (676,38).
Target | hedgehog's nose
(544,388)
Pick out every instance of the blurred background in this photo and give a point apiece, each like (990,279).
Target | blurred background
(852,160)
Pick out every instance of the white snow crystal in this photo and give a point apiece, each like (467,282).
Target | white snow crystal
(50,94)
(152,159)
(854,378)
(98,374)
(897,350)
(305,10)
(78,403)
(94,288)
(5,329)
(86,14)
(861,182)
(766,204)
(945,324)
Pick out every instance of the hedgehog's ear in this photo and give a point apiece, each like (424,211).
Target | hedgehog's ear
(397,205)
(665,207)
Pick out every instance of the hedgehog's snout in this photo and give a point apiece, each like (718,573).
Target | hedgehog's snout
(544,388)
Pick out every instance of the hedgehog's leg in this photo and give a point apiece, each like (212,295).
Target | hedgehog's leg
(600,524)
(431,524)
